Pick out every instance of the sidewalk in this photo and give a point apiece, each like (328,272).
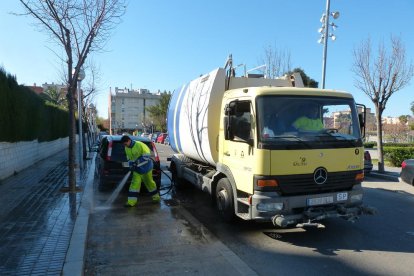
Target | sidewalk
(37,219)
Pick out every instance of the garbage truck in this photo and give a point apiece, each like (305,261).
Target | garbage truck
(237,138)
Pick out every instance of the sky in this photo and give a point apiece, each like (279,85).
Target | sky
(161,45)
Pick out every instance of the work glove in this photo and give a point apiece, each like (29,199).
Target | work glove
(131,164)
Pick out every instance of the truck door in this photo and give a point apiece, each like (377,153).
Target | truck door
(238,144)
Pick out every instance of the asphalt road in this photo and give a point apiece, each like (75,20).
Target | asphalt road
(382,244)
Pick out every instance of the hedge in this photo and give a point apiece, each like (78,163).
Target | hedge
(369,145)
(24,116)
(395,155)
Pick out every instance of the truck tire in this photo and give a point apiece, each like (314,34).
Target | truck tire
(225,200)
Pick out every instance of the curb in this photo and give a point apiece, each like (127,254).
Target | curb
(384,176)
(74,261)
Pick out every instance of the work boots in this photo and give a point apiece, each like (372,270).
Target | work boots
(156,198)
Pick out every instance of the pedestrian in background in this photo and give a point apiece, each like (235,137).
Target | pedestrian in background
(140,163)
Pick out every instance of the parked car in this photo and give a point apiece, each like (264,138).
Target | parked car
(407,171)
(161,138)
(111,161)
(367,162)
(167,140)
(100,135)
(154,136)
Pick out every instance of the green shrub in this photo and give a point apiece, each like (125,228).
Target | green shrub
(395,155)
(369,145)
(399,145)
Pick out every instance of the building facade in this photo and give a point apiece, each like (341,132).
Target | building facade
(127,109)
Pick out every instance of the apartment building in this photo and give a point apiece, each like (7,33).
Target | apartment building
(391,120)
(127,109)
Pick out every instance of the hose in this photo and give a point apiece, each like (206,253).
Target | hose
(169,187)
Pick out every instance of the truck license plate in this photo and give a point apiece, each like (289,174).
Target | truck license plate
(341,196)
(320,200)
(125,164)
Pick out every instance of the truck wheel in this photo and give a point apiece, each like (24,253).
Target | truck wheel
(224,199)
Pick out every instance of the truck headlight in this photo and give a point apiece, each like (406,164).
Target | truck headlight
(269,206)
(356,198)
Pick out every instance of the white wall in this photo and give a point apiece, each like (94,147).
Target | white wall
(18,156)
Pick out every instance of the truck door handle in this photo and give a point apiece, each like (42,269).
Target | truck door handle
(227,153)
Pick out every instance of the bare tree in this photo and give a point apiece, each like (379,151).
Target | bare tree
(380,77)
(90,86)
(79,27)
(88,91)
(277,62)
(395,132)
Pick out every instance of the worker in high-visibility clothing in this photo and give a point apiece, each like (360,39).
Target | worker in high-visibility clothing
(310,122)
(140,162)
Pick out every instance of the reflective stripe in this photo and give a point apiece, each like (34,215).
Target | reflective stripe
(132,194)
(142,163)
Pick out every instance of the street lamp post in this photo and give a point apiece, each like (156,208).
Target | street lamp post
(324,31)
(81,76)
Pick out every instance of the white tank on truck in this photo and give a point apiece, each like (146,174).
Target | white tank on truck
(269,149)
(194,112)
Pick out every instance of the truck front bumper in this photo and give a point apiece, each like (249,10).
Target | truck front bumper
(305,209)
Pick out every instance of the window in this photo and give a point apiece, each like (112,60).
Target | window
(307,122)
(240,120)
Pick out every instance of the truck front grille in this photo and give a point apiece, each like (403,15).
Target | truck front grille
(305,184)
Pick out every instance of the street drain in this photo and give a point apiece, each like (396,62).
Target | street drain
(273,235)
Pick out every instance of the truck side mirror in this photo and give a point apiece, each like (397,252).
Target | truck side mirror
(361,120)
(361,117)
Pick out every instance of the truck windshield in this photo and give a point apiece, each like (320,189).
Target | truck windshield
(307,122)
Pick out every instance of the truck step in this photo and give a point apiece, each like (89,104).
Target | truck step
(244,200)
(245,216)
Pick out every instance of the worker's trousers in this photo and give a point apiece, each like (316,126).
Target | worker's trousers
(135,187)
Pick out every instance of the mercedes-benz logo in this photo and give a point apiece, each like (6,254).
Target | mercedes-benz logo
(320,176)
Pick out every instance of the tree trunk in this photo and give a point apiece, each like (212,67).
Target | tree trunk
(72,142)
(379,141)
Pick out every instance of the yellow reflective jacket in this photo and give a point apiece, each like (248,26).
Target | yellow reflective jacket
(138,148)
(304,123)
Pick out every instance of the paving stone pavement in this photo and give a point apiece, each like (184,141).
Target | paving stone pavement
(37,219)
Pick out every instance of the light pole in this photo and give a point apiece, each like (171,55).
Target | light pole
(324,31)
(81,76)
